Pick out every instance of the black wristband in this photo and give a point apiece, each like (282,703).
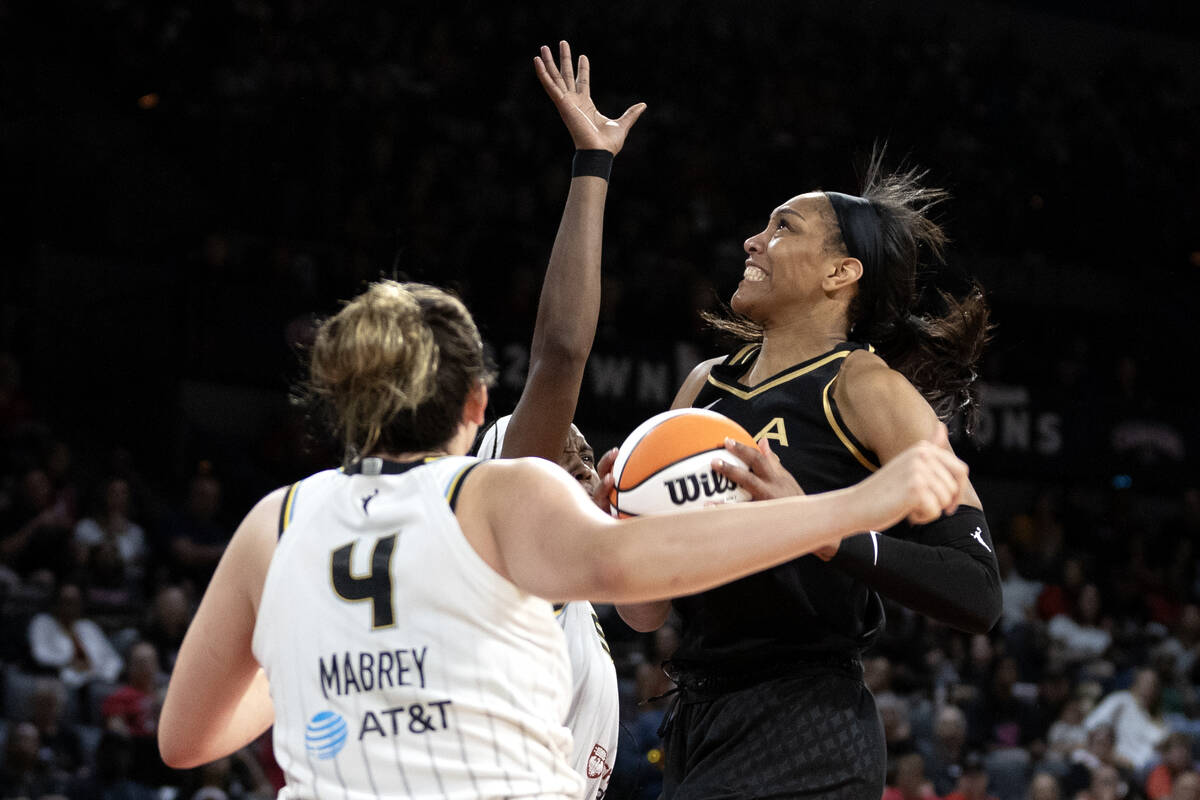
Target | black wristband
(597,163)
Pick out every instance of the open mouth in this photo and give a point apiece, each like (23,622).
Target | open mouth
(754,274)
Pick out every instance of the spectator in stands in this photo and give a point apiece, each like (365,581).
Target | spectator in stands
(1044,786)
(25,773)
(67,642)
(61,743)
(906,779)
(1097,751)
(35,530)
(1106,784)
(1186,786)
(999,717)
(1134,716)
(110,521)
(1176,759)
(1083,636)
(131,711)
(972,783)
(1067,734)
(1020,593)
(168,622)
(944,752)
(196,538)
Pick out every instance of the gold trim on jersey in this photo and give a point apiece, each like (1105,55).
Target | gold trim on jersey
(837,429)
(289,503)
(746,394)
(744,353)
(452,488)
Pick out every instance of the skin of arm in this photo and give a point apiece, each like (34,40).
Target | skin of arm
(888,414)
(570,302)
(218,699)
(645,617)
(505,506)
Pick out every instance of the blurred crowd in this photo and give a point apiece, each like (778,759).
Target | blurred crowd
(229,193)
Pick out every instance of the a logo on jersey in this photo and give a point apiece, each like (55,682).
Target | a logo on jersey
(978,536)
(688,488)
(775,429)
(368,499)
(597,762)
(326,734)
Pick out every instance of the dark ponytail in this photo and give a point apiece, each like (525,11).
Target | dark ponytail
(936,345)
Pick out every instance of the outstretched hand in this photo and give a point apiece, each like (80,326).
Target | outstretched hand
(571,93)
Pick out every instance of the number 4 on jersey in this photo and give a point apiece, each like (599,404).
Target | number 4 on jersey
(375,586)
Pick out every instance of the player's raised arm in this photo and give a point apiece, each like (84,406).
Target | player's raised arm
(570,300)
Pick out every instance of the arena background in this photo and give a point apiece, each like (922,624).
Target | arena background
(189,186)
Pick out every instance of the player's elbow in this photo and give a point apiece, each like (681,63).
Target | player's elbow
(175,750)
(982,611)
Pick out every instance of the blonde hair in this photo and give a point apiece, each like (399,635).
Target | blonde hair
(392,369)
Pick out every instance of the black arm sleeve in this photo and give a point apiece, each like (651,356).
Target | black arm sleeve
(945,570)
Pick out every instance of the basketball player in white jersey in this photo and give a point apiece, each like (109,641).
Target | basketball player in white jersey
(594,718)
(540,425)
(398,634)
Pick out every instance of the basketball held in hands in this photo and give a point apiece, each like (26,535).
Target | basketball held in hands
(666,463)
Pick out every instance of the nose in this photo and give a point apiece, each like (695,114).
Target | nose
(753,244)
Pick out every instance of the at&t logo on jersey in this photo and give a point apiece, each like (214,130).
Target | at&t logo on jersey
(326,734)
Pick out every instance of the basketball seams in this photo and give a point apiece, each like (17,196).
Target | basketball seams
(665,467)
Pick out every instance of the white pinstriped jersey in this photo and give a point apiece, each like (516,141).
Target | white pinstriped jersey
(594,718)
(400,663)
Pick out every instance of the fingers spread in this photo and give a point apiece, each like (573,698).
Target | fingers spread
(552,68)
(564,60)
(583,80)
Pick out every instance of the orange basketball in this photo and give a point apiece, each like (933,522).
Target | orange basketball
(666,463)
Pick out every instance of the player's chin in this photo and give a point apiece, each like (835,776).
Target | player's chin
(747,298)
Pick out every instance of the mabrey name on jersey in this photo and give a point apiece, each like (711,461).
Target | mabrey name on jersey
(349,673)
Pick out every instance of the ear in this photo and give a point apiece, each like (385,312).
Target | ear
(843,272)
(476,404)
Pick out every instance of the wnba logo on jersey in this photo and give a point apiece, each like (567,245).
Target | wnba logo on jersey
(326,734)
(689,488)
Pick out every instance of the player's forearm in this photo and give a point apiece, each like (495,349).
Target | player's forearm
(190,734)
(570,299)
(654,558)
(946,570)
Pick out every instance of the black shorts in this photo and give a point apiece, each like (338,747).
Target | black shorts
(814,733)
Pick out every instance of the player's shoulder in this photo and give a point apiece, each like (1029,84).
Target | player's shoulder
(879,404)
(866,378)
(695,381)
(501,474)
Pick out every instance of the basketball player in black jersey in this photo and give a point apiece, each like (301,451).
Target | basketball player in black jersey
(840,375)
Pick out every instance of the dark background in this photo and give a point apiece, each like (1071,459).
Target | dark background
(189,186)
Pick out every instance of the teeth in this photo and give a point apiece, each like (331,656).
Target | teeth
(754,274)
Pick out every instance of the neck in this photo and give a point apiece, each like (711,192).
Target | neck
(791,343)
(417,455)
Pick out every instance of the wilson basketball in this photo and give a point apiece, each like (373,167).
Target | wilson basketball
(666,463)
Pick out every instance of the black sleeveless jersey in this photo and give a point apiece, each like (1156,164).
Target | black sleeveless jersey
(806,607)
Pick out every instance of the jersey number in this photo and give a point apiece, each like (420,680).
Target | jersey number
(375,586)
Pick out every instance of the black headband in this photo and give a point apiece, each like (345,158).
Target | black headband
(861,230)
